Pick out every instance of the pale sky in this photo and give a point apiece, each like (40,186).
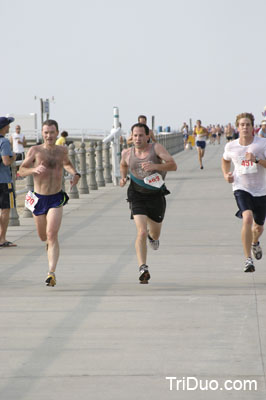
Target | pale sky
(175,59)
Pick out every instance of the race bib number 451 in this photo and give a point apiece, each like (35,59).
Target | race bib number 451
(31,200)
(246,167)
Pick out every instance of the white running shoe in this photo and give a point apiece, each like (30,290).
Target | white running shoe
(257,250)
(249,266)
(144,275)
(154,244)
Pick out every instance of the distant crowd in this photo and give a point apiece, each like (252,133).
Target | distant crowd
(229,131)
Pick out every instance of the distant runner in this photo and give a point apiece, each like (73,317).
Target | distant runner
(201,135)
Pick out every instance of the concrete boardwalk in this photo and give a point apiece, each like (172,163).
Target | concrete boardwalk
(101,335)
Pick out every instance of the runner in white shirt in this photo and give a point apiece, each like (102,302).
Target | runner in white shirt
(248,155)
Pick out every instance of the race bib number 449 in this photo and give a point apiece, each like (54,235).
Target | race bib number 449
(246,167)
(31,200)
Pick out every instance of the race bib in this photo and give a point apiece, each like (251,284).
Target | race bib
(154,180)
(31,200)
(246,167)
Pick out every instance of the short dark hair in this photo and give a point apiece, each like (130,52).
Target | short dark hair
(50,122)
(139,125)
(142,116)
(64,133)
(245,115)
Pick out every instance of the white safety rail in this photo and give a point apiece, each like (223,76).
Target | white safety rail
(73,134)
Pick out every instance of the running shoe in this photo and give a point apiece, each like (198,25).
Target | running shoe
(249,266)
(257,250)
(154,244)
(144,274)
(50,280)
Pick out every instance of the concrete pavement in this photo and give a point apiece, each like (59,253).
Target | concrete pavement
(101,335)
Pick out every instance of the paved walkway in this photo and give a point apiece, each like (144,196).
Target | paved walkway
(101,335)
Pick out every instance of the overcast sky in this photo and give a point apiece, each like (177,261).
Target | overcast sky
(175,59)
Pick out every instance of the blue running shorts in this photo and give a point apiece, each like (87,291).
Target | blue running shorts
(50,201)
(201,144)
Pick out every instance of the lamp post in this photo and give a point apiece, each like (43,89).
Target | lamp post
(45,107)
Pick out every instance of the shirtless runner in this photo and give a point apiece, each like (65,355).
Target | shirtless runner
(46,162)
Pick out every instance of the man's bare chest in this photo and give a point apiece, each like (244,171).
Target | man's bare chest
(50,159)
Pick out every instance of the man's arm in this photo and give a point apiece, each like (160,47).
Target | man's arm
(226,168)
(252,157)
(130,140)
(124,167)
(70,168)
(23,141)
(8,160)
(26,168)
(152,136)
(7,155)
(206,132)
(169,163)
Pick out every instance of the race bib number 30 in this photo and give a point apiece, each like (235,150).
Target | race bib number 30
(31,200)
(247,167)
(154,180)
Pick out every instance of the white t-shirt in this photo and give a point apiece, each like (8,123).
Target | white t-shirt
(17,147)
(248,176)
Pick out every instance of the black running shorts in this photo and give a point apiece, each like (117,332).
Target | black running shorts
(7,196)
(152,206)
(257,205)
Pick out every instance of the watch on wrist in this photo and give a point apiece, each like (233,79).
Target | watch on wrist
(256,160)
(78,174)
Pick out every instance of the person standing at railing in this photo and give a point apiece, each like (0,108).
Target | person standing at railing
(147,164)
(18,143)
(7,195)
(46,162)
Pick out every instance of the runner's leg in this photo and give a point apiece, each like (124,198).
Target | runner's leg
(141,240)
(154,229)
(40,222)
(257,231)
(54,218)
(246,232)
(199,155)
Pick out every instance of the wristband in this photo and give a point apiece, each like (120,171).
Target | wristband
(78,174)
